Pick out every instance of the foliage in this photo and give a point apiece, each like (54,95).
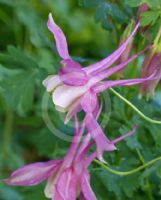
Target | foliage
(28,55)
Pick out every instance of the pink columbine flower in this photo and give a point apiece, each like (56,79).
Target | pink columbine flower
(151,64)
(76,88)
(73,81)
(68,178)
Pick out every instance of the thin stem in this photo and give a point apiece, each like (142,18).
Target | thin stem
(126,173)
(135,108)
(147,188)
(140,156)
(156,41)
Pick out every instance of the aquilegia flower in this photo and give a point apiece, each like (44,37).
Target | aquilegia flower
(76,88)
(152,64)
(67,178)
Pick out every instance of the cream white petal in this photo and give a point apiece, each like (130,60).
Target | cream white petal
(51,82)
(72,109)
(50,187)
(64,95)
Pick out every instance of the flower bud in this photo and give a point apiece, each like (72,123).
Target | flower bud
(151,64)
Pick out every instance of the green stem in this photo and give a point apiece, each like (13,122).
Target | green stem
(148,188)
(156,41)
(120,173)
(135,108)
(140,156)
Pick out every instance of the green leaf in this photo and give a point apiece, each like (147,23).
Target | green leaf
(130,184)
(120,186)
(102,17)
(133,3)
(109,181)
(153,3)
(54,147)
(89,3)
(149,18)
(106,13)
(132,141)
(116,13)
(33,22)
(18,90)
(5,72)
(15,58)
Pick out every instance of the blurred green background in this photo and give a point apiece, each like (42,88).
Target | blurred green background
(28,55)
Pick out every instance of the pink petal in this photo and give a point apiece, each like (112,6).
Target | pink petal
(107,84)
(57,196)
(83,146)
(119,139)
(105,63)
(90,159)
(51,82)
(72,152)
(150,65)
(105,74)
(32,174)
(76,124)
(89,101)
(72,73)
(66,186)
(102,142)
(60,38)
(76,107)
(86,188)
(50,187)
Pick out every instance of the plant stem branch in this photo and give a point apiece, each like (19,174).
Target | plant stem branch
(135,108)
(126,173)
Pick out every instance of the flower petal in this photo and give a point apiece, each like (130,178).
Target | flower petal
(60,38)
(73,109)
(86,188)
(119,139)
(102,142)
(65,95)
(50,187)
(72,73)
(89,101)
(51,82)
(32,174)
(105,74)
(107,84)
(66,185)
(106,62)
(150,65)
